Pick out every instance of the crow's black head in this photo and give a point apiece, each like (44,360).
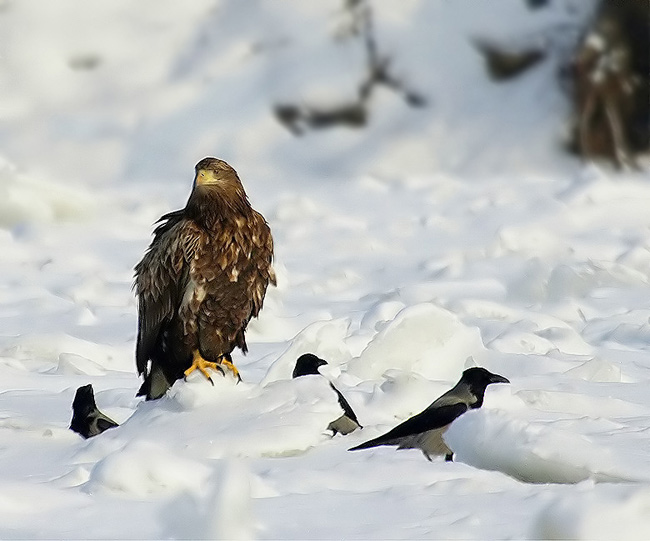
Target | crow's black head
(307,364)
(84,400)
(479,378)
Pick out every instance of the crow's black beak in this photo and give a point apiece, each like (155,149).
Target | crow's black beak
(496,378)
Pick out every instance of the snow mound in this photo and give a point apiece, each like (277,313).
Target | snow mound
(142,469)
(380,314)
(400,396)
(70,363)
(597,370)
(533,453)
(422,338)
(325,339)
(68,353)
(605,512)
(225,420)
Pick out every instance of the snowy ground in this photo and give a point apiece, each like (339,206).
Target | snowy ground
(433,240)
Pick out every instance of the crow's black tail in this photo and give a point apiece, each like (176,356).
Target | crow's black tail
(376,442)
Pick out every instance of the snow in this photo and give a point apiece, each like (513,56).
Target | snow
(432,240)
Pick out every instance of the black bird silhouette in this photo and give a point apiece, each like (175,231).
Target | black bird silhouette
(424,431)
(87,420)
(308,364)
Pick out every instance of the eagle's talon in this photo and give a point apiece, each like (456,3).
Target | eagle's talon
(200,364)
(226,361)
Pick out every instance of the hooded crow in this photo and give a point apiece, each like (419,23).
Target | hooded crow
(424,431)
(87,420)
(308,364)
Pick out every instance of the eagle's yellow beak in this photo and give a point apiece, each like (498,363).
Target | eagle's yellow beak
(204,176)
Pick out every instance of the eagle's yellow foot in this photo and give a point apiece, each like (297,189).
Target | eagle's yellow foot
(200,364)
(227,362)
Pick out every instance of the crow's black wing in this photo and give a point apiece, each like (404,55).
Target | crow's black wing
(347,409)
(429,419)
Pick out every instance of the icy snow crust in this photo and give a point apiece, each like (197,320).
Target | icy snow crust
(433,240)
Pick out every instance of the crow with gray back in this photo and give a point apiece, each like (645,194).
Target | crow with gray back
(424,431)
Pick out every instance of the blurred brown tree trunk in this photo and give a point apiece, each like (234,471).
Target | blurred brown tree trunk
(611,75)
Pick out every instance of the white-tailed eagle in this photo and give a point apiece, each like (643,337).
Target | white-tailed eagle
(200,282)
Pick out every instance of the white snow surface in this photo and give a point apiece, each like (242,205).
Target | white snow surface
(434,239)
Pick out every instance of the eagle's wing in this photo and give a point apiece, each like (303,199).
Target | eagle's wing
(263,248)
(429,419)
(160,279)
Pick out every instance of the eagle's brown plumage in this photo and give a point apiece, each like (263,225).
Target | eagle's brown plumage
(202,280)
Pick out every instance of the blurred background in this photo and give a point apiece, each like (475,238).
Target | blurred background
(112,91)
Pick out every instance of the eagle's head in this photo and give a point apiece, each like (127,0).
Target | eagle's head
(215,172)
(215,181)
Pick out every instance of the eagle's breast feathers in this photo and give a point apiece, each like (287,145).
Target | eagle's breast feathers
(229,269)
